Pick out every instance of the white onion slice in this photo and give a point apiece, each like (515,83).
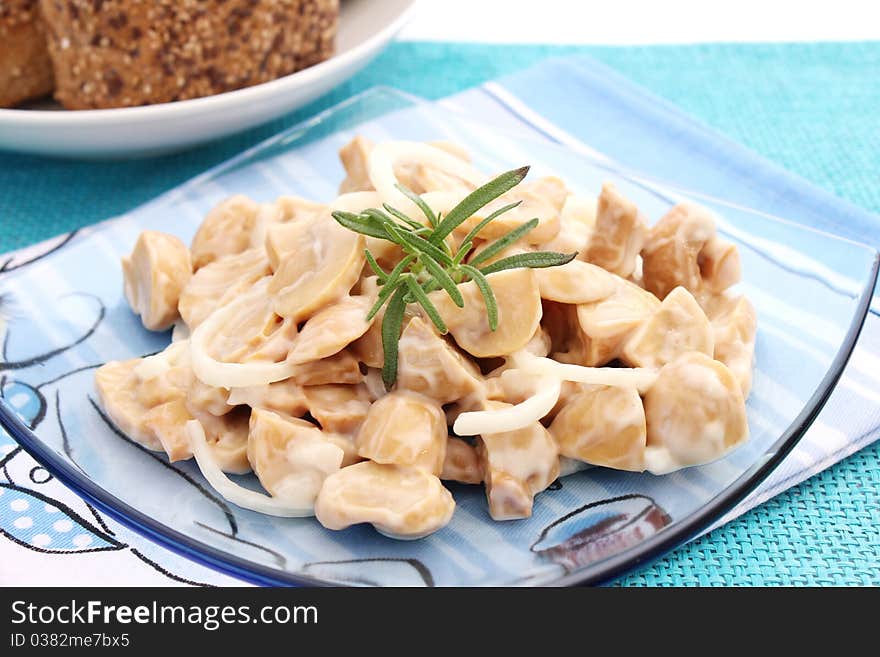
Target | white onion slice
(213,372)
(516,417)
(640,378)
(384,156)
(229,490)
(157,364)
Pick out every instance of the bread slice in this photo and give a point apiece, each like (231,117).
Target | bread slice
(122,53)
(25,67)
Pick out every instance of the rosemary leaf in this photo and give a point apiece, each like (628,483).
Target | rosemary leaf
(504,241)
(443,279)
(419,245)
(391,324)
(418,294)
(412,223)
(465,248)
(415,198)
(485,222)
(486,290)
(477,199)
(534,260)
(371,261)
(361,224)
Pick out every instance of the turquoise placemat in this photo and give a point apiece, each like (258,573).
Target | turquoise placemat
(809,107)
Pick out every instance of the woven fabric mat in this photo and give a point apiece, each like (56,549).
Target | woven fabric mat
(809,107)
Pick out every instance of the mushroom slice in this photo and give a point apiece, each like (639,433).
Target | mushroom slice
(695,414)
(519,314)
(332,329)
(603,425)
(678,326)
(544,198)
(208,399)
(575,282)
(287,397)
(155,274)
(461,463)
(576,221)
(220,282)
(670,255)
(355,159)
(327,263)
(516,465)
(228,438)
(117,387)
(734,326)
(429,365)
(226,230)
(719,265)
(291,457)
(341,367)
(399,501)
(618,235)
(338,408)
(273,225)
(404,428)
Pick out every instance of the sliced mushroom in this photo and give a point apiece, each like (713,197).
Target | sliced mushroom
(291,457)
(117,387)
(671,252)
(695,414)
(341,367)
(332,329)
(461,463)
(399,501)
(618,235)
(208,399)
(719,265)
(430,365)
(519,313)
(274,226)
(603,425)
(404,428)
(355,159)
(155,274)
(576,282)
(516,465)
(576,222)
(228,438)
(226,230)
(678,326)
(338,408)
(286,397)
(326,263)
(542,199)
(216,284)
(734,326)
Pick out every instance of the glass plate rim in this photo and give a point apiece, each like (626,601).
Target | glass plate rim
(607,569)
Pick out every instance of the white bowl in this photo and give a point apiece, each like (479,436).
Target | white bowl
(365,28)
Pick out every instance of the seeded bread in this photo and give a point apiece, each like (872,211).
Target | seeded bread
(122,53)
(25,68)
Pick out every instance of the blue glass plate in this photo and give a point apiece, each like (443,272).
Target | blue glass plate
(588,527)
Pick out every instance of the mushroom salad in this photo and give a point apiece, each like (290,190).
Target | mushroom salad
(432,324)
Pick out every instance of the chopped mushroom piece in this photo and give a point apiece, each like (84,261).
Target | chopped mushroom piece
(155,274)
(516,465)
(603,425)
(207,398)
(618,235)
(332,329)
(719,265)
(404,428)
(226,230)
(216,284)
(576,282)
(341,367)
(328,263)
(695,414)
(670,256)
(275,223)
(678,326)
(117,387)
(430,365)
(338,408)
(576,222)
(291,457)
(461,463)
(734,325)
(519,313)
(399,501)
(227,437)
(287,397)
(355,158)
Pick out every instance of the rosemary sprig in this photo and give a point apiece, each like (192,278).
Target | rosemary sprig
(430,264)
